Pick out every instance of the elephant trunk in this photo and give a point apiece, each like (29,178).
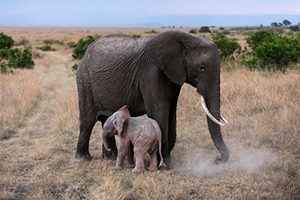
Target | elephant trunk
(105,140)
(211,105)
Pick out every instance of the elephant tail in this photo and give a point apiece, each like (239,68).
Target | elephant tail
(156,127)
(162,163)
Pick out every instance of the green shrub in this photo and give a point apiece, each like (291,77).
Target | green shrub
(226,45)
(193,31)
(71,44)
(46,47)
(294,28)
(204,29)
(11,59)
(52,41)
(151,31)
(256,38)
(82,46)
(272,51)
(6,41)
(20,58)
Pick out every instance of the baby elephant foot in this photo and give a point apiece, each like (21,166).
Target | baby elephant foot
(137,170)
(117,167)
(152,168)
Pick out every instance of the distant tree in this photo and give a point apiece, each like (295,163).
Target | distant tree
(274,24)
(286,22)
(204,29)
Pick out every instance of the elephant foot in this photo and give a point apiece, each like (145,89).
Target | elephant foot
(166,165)
(137,170)
(117,168)
(152,168)
(108,155)
(83,156)
(221,159)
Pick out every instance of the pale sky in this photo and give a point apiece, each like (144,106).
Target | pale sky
(134,12)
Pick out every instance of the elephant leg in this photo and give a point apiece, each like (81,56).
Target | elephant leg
(139,155)
(153,161)
(87,120)
(123,150)
(172,120)
(112,154)
(130,155)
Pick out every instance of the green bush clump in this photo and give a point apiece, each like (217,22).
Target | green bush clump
(82,46)
(6,41)
(46,47)
(272,51)
(12,58)
(193,31)
(226,45)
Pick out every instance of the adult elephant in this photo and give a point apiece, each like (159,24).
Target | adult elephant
(147,74)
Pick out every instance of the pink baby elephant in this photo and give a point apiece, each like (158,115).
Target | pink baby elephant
(143,132)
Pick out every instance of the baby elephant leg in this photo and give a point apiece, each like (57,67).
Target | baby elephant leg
(153,161)
(139,154)
(122,152)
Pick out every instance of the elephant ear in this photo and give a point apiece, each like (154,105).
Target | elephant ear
(121,120)
(173,64)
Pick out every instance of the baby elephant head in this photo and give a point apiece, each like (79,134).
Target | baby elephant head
(115,125)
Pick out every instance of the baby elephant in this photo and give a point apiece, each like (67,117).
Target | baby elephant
(143,132)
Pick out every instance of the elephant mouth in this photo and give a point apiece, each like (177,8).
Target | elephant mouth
(221,122)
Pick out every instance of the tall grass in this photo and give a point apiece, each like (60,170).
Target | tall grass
(19,93)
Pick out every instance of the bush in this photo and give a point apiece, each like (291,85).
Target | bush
(204,29)
(226,45)
(71,44)
(193,31)
(255,39)
(52,41)
(6,41)
(294,28)
(46,47)
(151,32)
(82,46)
(15,58)
(272,51)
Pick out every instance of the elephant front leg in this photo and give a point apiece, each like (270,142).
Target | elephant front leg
(122,152)
(112,154)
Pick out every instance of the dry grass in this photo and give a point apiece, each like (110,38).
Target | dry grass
(263,137)
(19,93)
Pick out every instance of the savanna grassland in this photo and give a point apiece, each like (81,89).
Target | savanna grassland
(39,130)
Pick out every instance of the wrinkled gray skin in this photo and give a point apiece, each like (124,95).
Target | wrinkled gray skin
(147,74)
(142,132)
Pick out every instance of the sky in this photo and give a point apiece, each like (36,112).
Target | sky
(145,12)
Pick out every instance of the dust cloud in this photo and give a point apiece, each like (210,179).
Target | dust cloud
(201,162)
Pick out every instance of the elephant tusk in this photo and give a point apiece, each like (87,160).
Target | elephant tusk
(224,120)
(210,115)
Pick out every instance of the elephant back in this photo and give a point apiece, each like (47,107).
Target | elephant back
(114,49)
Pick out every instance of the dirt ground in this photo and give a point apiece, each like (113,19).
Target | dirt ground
(39,130)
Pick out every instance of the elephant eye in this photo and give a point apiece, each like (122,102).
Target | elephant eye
(202,68)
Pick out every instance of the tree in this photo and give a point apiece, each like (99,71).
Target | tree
(286,22)
(274,24)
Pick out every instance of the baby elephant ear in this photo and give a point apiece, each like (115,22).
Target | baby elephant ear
(120,124)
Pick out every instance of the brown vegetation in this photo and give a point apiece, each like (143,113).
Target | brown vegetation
(39,130)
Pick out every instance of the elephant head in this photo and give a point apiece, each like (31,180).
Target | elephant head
(196,61)
(115,125)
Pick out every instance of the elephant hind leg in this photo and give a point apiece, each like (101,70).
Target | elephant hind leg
(87,119)
(153,161)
